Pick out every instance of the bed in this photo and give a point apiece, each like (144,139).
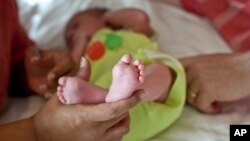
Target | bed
(181,34)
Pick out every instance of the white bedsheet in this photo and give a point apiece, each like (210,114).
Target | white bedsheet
(180,34)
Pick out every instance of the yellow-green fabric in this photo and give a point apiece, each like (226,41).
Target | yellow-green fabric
(147,118)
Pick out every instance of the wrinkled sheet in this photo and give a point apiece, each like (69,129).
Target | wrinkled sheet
(180,34)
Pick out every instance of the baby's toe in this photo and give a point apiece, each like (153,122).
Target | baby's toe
(141,78)
(137,63)
(127,58)
(141,67)
(63,100)
(62,81)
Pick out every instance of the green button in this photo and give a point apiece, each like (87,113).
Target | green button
(113,41)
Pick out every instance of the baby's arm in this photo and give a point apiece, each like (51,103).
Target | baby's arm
(132,18)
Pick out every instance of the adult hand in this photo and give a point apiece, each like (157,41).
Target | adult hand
(44,67)
(212,79)
(102,122)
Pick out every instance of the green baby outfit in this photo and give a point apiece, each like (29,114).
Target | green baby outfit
(147,118)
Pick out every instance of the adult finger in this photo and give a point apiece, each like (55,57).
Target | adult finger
(108,124)
(60,69)
(33,54)
(84,69)
(193,87)
(48,88)
(191,97)
(36,60)
(119,130)
(187,61)
(48,95)
(39,57)
(206,103)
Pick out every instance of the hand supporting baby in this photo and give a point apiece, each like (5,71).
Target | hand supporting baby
(44,67)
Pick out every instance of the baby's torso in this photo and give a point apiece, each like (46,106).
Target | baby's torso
(108,46)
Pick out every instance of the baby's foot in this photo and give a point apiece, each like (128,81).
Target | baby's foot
(74,90)
(126,79)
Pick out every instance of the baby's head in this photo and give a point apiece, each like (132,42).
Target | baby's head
(83,25)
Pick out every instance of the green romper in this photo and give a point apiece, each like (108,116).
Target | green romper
(147,118)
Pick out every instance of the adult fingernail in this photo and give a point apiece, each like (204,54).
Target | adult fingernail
(35,58)
(51,76)
(43,87)
(83,63)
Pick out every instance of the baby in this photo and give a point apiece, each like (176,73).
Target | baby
(127,77)
(109,40)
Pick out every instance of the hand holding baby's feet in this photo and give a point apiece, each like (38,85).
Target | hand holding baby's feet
(126,78)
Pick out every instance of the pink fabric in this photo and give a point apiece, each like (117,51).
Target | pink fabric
(230,17)
(13,43)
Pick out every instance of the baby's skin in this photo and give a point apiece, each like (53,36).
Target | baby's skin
(126,79)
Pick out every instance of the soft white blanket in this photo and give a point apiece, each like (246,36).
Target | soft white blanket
(180,34)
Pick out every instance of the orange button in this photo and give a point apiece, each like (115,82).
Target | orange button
(96,50)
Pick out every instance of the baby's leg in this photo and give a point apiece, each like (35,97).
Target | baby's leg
(126,79)
(157,82)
